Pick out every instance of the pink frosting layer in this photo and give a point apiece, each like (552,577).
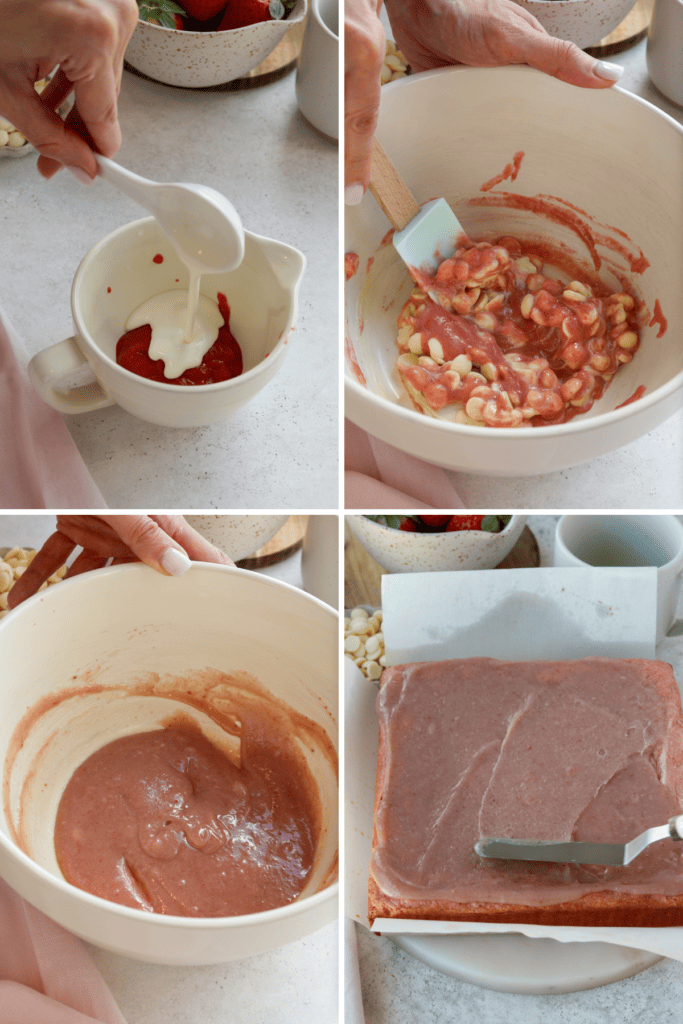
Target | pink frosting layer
(478,748)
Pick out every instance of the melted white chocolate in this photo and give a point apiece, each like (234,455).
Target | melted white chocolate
(168,316)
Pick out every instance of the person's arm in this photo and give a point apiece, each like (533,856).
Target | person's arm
(166,543)
(439,33)
(87,39)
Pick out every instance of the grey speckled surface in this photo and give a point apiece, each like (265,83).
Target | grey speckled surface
(282,176)
(396,987)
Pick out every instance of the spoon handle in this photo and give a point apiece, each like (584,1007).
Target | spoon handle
(130,184)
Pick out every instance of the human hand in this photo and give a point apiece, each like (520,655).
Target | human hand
(440,33)
(166,543)
(364,55)
(87,39)
(486,34)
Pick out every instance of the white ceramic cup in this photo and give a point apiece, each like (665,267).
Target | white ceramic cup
(317,85)
(665,49)
(81,374)
(628,541)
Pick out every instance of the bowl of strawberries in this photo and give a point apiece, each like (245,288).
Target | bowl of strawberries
(439,542)
(196,44)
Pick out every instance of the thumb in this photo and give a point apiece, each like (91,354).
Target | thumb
(564,60)
(150,543)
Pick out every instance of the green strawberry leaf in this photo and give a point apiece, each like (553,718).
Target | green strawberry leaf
(490,524)
(159,12)
(277,10)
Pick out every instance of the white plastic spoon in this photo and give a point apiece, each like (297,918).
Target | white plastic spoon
(204,227)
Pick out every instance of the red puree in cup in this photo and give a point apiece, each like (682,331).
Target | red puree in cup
(222,362)
(165,822)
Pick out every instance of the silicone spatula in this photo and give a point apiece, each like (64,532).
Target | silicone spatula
(579,853)
(424,235)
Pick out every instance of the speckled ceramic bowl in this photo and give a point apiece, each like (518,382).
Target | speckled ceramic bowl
(584,22)
(195,60)
(238,536)
(435,552)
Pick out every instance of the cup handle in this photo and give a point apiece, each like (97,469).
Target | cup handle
(61,376)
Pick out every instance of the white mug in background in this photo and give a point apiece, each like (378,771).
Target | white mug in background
(320,559)
(134,263)
(628,541)
(317,74)
(665,49)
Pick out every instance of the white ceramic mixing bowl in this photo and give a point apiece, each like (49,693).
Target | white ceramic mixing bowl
(105,629)
(606,152)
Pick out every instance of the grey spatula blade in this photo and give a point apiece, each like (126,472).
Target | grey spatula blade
(579,853)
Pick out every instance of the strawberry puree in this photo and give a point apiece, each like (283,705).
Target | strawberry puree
(511,171)
(659,319)
(638,393)
(165,822)
(350,265)
(223,361)
(158,258)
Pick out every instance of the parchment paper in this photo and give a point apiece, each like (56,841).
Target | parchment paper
(522,614)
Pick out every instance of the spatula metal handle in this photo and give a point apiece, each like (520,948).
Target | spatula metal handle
(390,191)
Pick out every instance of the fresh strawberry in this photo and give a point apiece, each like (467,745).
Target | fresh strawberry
(464,523)
(162,12)
(203,10)
(408,525)
(239,13)
(436,521)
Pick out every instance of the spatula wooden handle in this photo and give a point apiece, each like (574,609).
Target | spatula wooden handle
(390,191)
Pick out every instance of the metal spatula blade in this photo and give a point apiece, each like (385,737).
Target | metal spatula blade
(425,236)
(579,853)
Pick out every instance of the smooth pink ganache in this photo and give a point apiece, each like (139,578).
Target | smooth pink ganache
(473,748)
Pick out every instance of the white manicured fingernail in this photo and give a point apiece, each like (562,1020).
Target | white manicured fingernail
(80,174)
(610,72)
(353,194)
(175,562)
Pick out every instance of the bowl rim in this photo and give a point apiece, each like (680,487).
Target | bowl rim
(72,892)
(293,19)
(438,533)
(577,425)
(175,389)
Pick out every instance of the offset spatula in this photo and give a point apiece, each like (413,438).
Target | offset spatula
(579,853)
(425,236)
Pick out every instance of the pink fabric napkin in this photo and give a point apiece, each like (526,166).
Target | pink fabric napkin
(382,477)
(46,975)
(39,464)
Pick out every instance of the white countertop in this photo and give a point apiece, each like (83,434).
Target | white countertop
(648,473)
(296,984)
(396,987)
(254,147)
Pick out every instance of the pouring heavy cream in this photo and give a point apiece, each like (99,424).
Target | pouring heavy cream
(184,326)
(207,234)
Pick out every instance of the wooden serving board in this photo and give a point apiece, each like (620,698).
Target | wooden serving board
(362,574)
(627,33)
(288,540)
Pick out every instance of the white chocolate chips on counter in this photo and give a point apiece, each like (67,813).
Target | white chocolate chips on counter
(10,137)
(364,641)
(395,65)
(12,566)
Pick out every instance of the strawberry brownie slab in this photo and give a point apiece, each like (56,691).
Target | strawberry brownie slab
(574,750)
